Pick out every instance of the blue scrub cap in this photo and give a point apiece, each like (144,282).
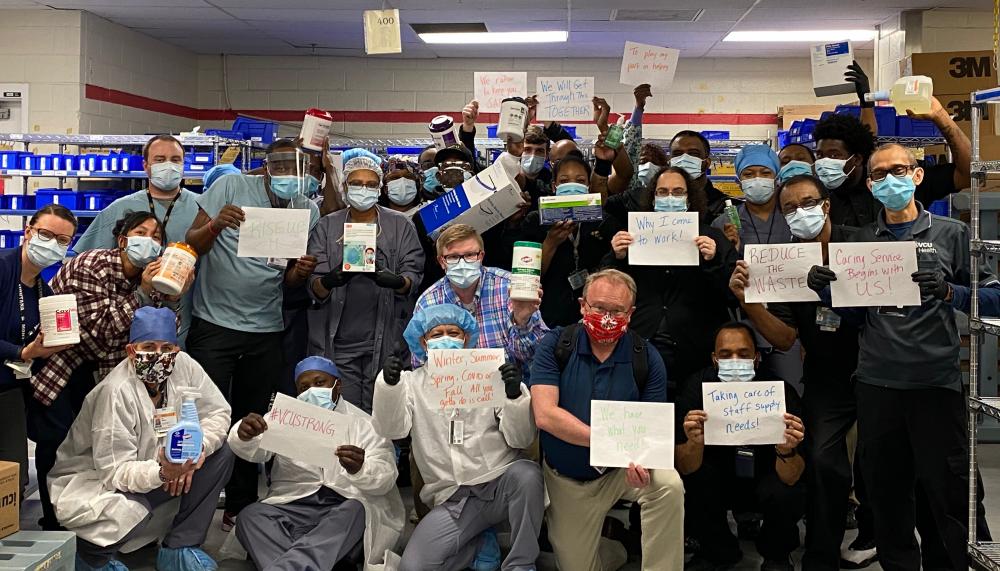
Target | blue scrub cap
(218,171)
(757,156)
(153,324)
(430,317)
(316,363)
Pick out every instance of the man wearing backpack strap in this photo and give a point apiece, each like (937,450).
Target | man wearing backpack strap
(601,360)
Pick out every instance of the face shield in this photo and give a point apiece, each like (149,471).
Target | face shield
(288,173)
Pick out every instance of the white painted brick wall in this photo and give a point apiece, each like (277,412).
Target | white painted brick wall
(946,29)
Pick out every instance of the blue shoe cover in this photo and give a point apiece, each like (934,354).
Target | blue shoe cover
(184,559)
(113,565)
(488,557)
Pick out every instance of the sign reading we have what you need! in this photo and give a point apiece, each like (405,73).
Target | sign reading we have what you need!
(565,98)
(305,432)
(492,87)
(273,233)
(623,432)
(663,238)
(778,272)
(871,274)
(744,413)
(466,378)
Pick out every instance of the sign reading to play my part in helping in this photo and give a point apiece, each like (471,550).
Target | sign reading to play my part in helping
(663,238)
(624,432)
(382,32)
(466,378)
(492,87)
(744,413)
(359,247)
(778,271)
(872,274)
(305,432)
(829,63)
(273,233)
(565,98)
(643,63)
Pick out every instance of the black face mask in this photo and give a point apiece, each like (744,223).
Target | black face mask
(451,178)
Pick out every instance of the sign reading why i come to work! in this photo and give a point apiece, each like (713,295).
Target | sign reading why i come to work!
(663,238)
(778,271)
(871,274)
(466,378)
(492,87)
(744,413)
(273,233)
(624,432)
(643,63)
(382,32)
(565,98)
(305,432)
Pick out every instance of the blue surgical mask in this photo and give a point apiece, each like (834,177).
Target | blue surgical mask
(445,342)
(319,396)
(466,174)
(690,164)
(733,370)
(361,198)
(44,253)
(532,164)
(567,188)
(758,190)
(646,173)
(894,192)
(793,168)
(286,187)
(806,223)
(166,176)
(464,274)
(670,204)
(401,191)
(141,250)
(312,185)
(431,182)
(831,172)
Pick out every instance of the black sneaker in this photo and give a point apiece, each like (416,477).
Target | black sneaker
(859,554)
(852,516)
(778,565)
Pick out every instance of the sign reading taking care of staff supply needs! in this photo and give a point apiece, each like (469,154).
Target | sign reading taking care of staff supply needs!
(643,63)
(382,32)
(663,239)
(492,87)
(744,413)
(829,63)
(466,378)
(872,274)
(305,432)
(623,432)
(565,98)
(273,233)
(778,271)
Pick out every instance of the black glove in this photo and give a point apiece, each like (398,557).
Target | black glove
(511,375)
(857,76)
(336,278)
(391,370)
(388,280)
(932,283)
(820,277)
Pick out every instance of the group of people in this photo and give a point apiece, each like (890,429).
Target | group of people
(600,328)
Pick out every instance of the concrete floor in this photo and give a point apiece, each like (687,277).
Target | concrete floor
(144,559)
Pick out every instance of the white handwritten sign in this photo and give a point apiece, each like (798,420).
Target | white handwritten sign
(744,413)
(492,87)
(873,274)
(273,233)
(565,98)
(643,63)
(638,432)
(663,238)
(466,378)
(778,271)
(305,432)
(382,32)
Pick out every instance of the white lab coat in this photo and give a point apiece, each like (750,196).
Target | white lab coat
(493,438)
(374,485)
(112,448)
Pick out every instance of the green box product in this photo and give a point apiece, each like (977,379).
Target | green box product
(575,207)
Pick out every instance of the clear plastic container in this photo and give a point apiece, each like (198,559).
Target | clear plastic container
(526,271)
(315,129)
(183,441)
(733,214)
(913,93)
(176,265)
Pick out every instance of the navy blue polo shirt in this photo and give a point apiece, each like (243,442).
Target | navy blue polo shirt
(585,379)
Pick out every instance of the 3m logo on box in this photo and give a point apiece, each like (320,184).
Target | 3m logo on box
(970,66)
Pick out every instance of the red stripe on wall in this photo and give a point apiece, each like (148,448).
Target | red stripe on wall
(146,103)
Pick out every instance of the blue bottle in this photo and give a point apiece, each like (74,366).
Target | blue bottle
(184,439)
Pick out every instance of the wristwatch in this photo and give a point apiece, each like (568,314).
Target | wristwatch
(162,477)
(784,457)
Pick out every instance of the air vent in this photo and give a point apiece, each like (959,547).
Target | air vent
(472,27)
(619,15)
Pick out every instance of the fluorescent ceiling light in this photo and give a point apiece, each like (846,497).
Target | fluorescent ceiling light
(801,36)
(495,37)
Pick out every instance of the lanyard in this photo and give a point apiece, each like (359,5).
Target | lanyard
(576,248)
(166,217)
(20,302)
(754,226)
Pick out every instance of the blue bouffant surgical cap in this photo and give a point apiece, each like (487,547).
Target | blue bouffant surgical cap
(153,324)
(757,156)
(430,317)
(316,363)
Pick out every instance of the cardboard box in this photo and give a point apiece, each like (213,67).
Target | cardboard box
(788,114)
(10,494)
(957,104)
(482,202)
(575,207)
(953,72)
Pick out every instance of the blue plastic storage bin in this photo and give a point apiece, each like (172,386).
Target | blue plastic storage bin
(97,199)
(716,135)
(783,139)
(256,130)
(29,162)
(68,198)
(18,201)
(134,163)
(202,158)
(885,117)
(924,128)
(9,238)
(225,134)
(10,159)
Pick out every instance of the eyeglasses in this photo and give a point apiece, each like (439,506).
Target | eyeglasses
(806,203)
(471,257)
(617,314)
(878,175)
(46,236)
(368,186)
(661,192)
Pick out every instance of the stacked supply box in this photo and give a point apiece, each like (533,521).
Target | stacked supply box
(10,492)
(38,551)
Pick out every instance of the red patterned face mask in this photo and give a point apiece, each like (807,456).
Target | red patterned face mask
(603,328)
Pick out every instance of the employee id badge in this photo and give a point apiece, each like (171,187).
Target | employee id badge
(827,319)
(577,279)
(457,432)
(278,263)
(744,462)
(163,420)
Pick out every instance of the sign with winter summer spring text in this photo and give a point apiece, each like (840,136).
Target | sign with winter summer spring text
(466,378)
(871,274)
(273,233)
(744,413)
(643,63)
(492,87)
(565,98)
(305,432)
(623,432)
(778,271)
(663,238)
